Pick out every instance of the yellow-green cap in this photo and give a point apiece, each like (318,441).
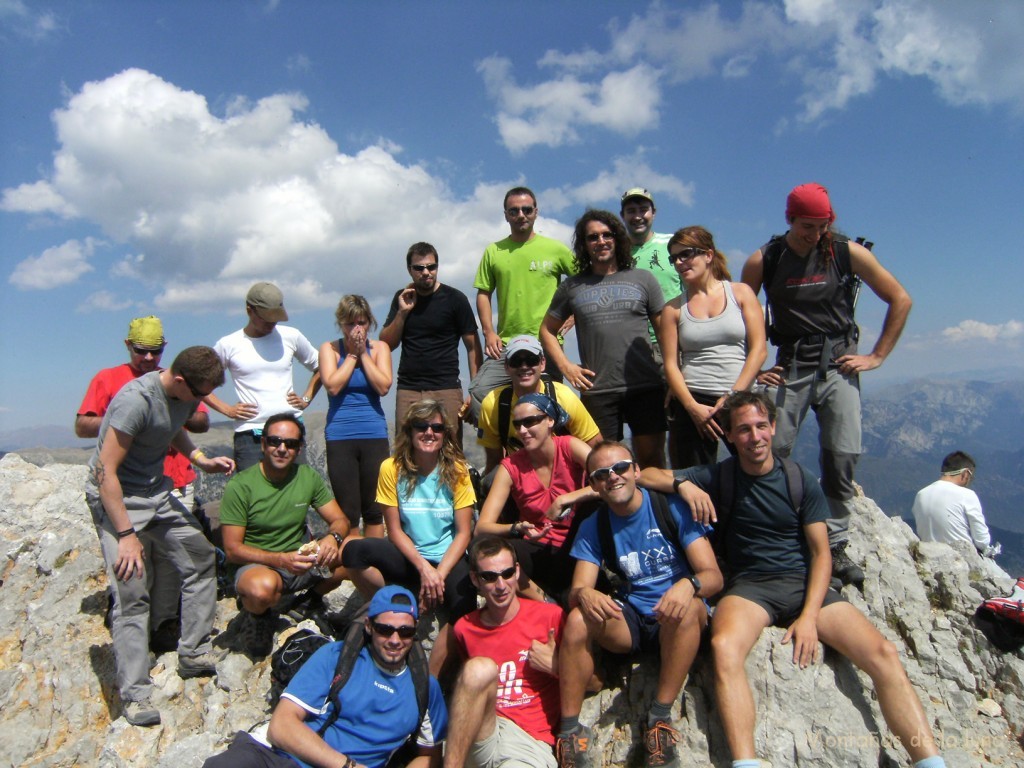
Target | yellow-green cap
(146,331)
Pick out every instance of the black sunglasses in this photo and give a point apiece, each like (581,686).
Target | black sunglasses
(195,392)
(683,254)
(526,209)
(291,443)
(143,351)
(528,421)
(421,267)
(490,577)
(421,426)
(406,631)
(523,358)
(619,468)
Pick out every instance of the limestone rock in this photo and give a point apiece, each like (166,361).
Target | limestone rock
(59,705)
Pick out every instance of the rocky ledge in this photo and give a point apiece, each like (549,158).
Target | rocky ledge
(59,705)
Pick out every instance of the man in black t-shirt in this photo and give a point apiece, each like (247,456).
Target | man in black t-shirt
(778,569)
(428,319)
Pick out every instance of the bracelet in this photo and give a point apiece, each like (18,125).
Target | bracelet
(516,531)
(350,763)
(676,483)
(126,533)
(196,455)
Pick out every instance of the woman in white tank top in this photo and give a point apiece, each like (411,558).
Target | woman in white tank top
(714,344)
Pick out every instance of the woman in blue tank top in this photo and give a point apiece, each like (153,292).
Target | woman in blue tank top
(356,373)
(714,344)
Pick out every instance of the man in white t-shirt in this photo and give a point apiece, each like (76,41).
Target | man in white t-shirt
(947,510)
(259,359)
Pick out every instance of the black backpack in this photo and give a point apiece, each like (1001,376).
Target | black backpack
(771,254)
(505,410)
(725,485)
(287,660)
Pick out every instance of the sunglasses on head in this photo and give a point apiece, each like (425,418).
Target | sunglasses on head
(528,421)
(684,254)
(291,443)
(436,427)
(143,351)
(620,468)
(406,631)
(422,267)
(489,577)
(523,358)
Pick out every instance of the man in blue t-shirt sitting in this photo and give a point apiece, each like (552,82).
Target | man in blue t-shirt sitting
(659,605)
(378,709)
(779,567)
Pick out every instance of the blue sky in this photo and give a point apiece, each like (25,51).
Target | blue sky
(159,157)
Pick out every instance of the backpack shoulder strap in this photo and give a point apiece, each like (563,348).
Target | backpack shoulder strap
(771,254)
(419,667)
(504,414)
(725,485)
(607,540)
(355,638)
(666,521)
(794,481)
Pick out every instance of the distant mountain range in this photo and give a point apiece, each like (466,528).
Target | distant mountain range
(908,428)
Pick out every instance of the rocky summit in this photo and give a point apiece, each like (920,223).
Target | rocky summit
(59,705)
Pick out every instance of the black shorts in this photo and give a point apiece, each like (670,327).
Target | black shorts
(643,411)
(780,594)
(644,631)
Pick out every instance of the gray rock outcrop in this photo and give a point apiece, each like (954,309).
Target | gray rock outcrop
(59,705)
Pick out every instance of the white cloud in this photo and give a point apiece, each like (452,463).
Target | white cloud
(832,51)
(605,189)
(975,331)
(60,265)
(208,204)
(17,17)
(298,63)
(105,301)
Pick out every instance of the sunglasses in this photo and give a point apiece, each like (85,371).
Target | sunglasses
(195,392)
(528,421)
(595,237)
(619,468)
(406,631)
(685,254)
(424,267)
(291,443)
(489,577)
(142,351)
(526,209)
(523,358)
(421,426)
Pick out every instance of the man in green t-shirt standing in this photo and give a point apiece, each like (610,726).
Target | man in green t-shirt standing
(524,269)
(263,521)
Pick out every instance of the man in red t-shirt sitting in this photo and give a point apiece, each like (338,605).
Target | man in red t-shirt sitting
(505,708)
(145,345)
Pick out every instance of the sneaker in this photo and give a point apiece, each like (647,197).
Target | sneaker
(660,746)
(203,665)
(164,638)
(843,568)
(572,750)
(141,713)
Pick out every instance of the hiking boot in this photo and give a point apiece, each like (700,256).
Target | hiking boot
(573,750)
(843,568)
(258,632)
(141,713)
(309,605)
(164,638)
(203,665)
(660,746)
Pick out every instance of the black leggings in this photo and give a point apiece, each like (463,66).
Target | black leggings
(353,466)
(689,447)
(459,592)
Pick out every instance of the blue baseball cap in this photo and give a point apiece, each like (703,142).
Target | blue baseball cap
(384,601)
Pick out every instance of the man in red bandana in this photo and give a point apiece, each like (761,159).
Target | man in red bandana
(809,276)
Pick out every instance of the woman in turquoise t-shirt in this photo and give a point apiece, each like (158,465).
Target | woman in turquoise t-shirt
(427,498)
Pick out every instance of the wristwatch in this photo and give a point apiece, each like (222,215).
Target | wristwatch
(338,538)
(304,399)
(696,584)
